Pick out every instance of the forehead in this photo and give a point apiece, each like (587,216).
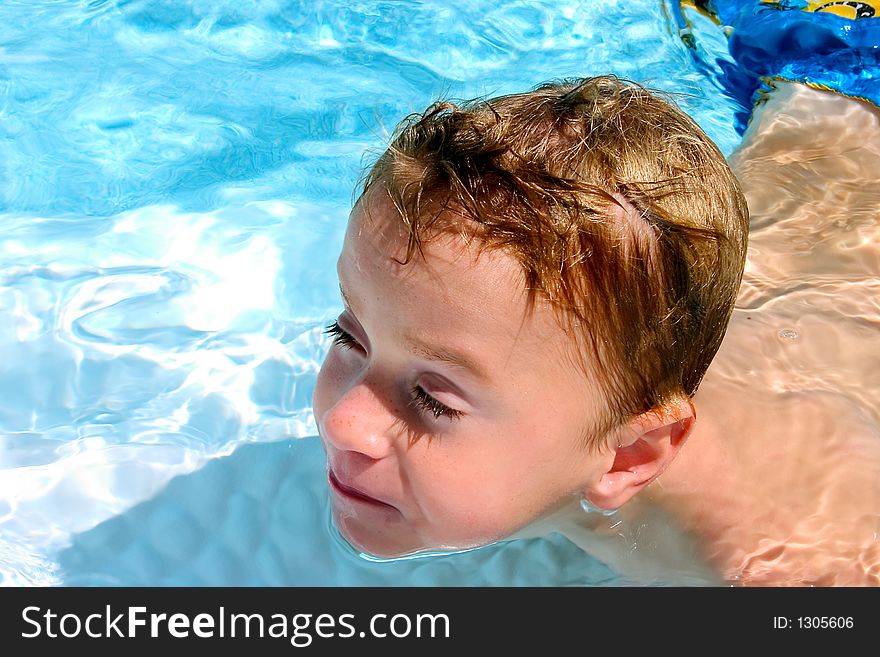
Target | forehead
(453,268)
(455,292)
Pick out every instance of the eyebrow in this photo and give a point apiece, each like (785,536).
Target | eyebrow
(345,299)
(448,356)
(429,352)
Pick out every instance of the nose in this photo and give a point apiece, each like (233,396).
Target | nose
(359,421)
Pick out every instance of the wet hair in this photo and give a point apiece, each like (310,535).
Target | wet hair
(620,210)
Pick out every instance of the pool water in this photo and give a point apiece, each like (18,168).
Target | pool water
(176,180)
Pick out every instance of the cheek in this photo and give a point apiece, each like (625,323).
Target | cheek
(505,477)
(485,484)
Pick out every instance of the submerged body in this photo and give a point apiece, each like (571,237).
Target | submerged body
(779,483)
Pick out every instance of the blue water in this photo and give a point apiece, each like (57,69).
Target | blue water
(176,179)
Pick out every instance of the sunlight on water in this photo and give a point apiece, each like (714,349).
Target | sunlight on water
(176,178)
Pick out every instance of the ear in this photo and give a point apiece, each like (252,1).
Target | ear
(643,449)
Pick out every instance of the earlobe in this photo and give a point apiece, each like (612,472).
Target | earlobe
(645,448)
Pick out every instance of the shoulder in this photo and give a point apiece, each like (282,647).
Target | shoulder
(796,492)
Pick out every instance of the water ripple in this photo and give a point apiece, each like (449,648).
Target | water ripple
(176,177)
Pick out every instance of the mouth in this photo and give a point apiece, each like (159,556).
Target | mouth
(350,493)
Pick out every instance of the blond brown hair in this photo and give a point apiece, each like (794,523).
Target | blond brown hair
(621,211)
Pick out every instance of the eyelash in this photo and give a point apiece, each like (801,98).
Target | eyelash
(341,337)
(421,400)
(425,402)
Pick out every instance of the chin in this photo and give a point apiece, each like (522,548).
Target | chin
(395,542)
(379,542)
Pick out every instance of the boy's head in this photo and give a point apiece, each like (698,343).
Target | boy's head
(542,276)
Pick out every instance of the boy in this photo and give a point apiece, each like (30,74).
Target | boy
(534,287)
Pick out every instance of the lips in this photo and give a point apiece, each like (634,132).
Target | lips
(352,493)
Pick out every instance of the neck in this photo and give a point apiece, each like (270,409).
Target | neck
(699,489)
(708,491)
(674,530)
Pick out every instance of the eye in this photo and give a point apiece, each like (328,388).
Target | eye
(426,403)
(340,336)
